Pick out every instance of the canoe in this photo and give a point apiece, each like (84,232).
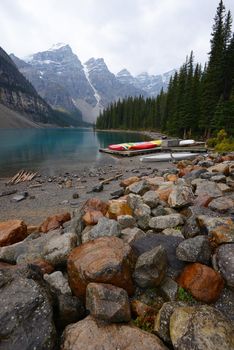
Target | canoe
(134,146)
(165,157)
(186,142)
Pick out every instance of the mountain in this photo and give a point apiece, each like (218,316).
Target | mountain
(18,94)
(70,86)
(150,84)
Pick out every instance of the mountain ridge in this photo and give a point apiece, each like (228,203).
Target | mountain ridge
(66,84)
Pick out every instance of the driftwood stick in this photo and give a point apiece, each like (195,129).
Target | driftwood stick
(111,179)
(12,180)
(7,193)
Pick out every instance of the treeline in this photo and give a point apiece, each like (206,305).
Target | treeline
(199,101)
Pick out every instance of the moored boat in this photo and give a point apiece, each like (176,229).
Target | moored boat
(134,146)
(165,157)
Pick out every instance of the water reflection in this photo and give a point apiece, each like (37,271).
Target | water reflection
(52,149)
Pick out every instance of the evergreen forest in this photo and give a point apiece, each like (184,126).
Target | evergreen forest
(199,100)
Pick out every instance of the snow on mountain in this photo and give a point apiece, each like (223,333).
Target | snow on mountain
(59,76)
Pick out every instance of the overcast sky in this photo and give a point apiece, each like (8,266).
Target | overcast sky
(140,35)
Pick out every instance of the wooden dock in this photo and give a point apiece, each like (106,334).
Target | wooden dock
(153,150)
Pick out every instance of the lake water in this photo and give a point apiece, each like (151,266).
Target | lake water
(56,150)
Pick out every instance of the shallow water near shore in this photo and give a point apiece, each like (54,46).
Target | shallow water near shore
(56,150)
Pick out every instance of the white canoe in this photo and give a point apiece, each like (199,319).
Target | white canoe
(186,142)
(165,157)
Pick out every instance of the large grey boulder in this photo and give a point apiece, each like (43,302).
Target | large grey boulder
(138,188)
(102,335)
(166,221)
(26,317)
(169,243)
(53,247)
(196,249)
(151,198)
(104,227)
(150,268)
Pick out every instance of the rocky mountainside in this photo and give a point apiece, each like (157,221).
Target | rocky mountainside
(150,84)
(17,94)
(66,84)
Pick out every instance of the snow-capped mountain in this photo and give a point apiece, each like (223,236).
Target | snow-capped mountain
(151,84)
(65,83)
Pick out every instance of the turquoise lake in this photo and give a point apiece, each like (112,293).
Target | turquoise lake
(56,150)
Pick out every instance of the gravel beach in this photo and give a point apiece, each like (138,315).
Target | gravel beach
(53,195)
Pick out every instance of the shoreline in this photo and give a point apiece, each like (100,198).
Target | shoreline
(50,195)
(151,134)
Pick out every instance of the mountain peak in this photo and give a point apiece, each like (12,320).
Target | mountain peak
(58,46)
(124,72)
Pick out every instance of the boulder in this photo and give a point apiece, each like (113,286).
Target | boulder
(155,182)
(104,260)
(58,283)
(142,215)
(218,178)
(42,265)
(173,232)
(169,243)
(220,168)
(91,217)
(162,320)
(204,283)
(101,335)
(208,188)
(164,190)
(26,318)
(129,181)
(151,199)
(126,221)
(105,227)
(54,222)
(202,327)
(118,207)
(68,309)
(221,204)
(166,221)
(129,235)
(196,249)
(142,310)
(180,196)
(220,230)
(169,289)
(12,231)
(107,302)
(95,204)
(139,187)
(223,261)
(150,268)
(53,248)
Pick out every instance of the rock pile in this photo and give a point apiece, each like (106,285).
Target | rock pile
(152,269)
